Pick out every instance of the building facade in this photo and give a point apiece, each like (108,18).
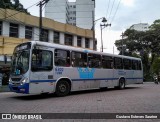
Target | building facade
(23,27)
(140,27)
(79,13)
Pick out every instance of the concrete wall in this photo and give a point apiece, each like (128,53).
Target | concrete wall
(7,44)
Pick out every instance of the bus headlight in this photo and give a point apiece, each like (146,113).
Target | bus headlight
(10,81)
(24,81)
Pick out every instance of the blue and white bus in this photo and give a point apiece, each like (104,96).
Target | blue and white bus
(41,67)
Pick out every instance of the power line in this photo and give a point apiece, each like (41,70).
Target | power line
(116,11)
(108,9)
(111,10)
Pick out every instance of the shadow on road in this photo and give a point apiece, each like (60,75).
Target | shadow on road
(34,97)
(49,96)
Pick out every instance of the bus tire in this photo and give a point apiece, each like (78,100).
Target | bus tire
(121,83)
(62,88)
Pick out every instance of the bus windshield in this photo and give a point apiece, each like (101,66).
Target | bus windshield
(20,61)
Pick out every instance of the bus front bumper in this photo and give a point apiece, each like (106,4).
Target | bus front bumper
(20,89)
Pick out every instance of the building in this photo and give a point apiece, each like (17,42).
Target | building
(23,27)
(140,27)
(79,13)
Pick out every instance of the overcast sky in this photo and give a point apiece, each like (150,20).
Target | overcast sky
(129,12)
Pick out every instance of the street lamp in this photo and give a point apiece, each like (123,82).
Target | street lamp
(93,28)
(102,27)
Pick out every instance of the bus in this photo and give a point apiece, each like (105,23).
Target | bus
(42,67)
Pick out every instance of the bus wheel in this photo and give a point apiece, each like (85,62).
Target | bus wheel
(62,88)
(122,83)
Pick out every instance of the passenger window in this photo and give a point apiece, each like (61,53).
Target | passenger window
(139,65)
(42,60)
(134,65)
(118,64)
(94,61)
(62,58)
(79,59)
(107,62)
(127,64)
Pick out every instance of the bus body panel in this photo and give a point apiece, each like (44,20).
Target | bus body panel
(81,78)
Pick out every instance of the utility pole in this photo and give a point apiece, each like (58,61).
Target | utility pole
(122,43)
(102,27)
(40,4)
(93,29)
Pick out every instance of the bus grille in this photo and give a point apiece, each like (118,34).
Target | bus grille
(16,84)
(16,79)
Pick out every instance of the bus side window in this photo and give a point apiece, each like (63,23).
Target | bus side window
(139,65)
(79,59)
(42,60)
(118,63)
(62,58)
(134,64)
(127,64)
(107,62)
(94,61)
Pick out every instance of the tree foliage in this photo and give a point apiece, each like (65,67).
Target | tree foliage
(16,5)
(144,44)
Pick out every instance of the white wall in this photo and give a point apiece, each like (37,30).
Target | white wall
(5,28)
(140,27)
(56,10)
(35,33)
(84,15)
(21,32)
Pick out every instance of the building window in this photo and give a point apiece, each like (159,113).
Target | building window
(0,27)
(28,32)
(79,41)
(44,35)
(68,39)
(86,43)
(56,37)
(74,6)
(13,32)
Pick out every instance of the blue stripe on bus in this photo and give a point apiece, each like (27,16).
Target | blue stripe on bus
(35,81)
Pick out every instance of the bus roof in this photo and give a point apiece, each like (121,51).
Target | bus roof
(59,46)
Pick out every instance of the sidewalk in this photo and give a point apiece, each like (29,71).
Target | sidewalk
(4,88)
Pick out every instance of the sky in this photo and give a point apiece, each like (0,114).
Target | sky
(121,14)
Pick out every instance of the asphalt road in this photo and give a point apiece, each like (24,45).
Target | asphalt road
(137,98)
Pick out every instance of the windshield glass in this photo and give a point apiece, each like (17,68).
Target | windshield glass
(20,60)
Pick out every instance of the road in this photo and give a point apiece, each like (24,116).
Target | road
(137,98)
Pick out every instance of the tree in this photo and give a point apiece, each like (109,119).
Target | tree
(143,44)
(7,4)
